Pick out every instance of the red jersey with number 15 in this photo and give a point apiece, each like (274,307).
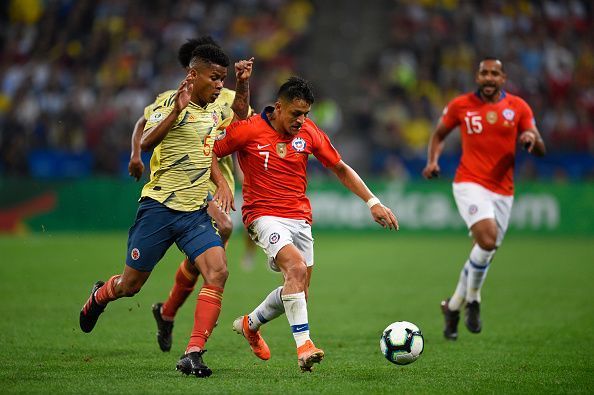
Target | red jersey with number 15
(489,133)
(275,165)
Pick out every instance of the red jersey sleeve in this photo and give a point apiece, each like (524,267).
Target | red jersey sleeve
(526,121)
(323,149)
(232,139)
(449,118)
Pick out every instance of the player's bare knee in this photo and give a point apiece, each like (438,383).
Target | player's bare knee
(218,277)
(487,242)
(216,274)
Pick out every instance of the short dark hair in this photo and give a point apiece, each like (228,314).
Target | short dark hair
(210,54)
(493,58)
(184,54)
(296,88)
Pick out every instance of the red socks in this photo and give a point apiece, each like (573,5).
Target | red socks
(207,312)
(182,288)
(106,293)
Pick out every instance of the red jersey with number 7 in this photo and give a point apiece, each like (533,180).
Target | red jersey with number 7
(275,165)
(489,132)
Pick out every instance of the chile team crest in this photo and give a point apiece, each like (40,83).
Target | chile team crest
(508,114)
(298,144)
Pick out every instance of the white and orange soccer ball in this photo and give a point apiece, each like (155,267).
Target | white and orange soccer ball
(402,342)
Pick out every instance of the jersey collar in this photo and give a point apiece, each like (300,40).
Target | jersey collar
(267,110)
(477,93)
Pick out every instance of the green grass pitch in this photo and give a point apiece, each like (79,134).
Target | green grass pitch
(538,315)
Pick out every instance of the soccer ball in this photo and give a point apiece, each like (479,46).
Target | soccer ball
(402,342)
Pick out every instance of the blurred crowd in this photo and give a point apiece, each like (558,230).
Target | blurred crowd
(76,74)
(432,52)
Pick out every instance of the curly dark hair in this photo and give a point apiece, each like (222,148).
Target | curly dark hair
(184,54)
(296,88)
(210,54)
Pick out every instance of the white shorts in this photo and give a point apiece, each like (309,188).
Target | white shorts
(273,233)
(476,202)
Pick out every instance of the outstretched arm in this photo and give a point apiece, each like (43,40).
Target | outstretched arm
(350,179)
(241,103)
(152,137)
(436,144)
(135,166)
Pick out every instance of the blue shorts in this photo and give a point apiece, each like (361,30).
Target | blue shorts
(157,227)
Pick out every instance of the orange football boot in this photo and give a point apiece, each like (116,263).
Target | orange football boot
(307,355)
(257,343)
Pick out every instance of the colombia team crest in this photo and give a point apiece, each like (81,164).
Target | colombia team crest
(281,149)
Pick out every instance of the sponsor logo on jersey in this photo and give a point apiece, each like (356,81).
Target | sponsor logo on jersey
(491,117)
(509,114)
(215,118)
(156,117)
(281,149)
(472,209)
(298,144)
(274,238)
(135,254)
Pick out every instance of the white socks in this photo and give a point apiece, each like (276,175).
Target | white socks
(296,311)
(477,272)
(270,308)
(460,293)
(472,277)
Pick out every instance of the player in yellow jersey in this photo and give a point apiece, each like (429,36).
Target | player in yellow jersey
(186,275)
(180,130)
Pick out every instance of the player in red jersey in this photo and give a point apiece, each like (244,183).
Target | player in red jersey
(273,149)
(491,123)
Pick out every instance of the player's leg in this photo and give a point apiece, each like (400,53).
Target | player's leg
(300,256)
(126,284)
(481,254)
(488,235)
(484,233)
(148,240)
(185,279)
(187,274)
(291,263)
(271,235)
(473,205)
(203,245)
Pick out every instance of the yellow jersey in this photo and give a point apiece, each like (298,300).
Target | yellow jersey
(180,164)
(226,165)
